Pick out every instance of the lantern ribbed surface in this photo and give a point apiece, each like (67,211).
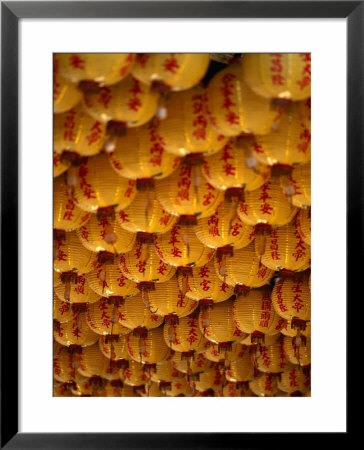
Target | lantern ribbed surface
(198,363)
(233,390)
(291,297)
(142,263)
(105,234)
(67,216)
(235,166)
(241,370)
(287,330)
(133,314)
(278,75)
(103,68)
(269,339)
(76,131)
(129,102)
(255,312)
(102,318)
(65,94)
(212,379)
(297,353)
(108,280)
(234,108)
(243,268)
(180,387)
(188,193)
(96,185)
(187,128)
(185,336)
(149,350)
(92,362)
(146,214)
(237,351)
(272,358)
(180,247)
(59,165)
(141,153)
(134,375)
(64,364)
(294,380)
(303,225)
(77,291)
(264,386)
(76,332)
(70,255)
(300,179)
(62,311)
(165,371)
(114,349)
(179,71)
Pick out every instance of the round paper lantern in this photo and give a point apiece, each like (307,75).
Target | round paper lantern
(284,249)
(185,335)
(114,348)
(290,329)
(141,153)
(102,68)
(129,102)
(64,363)
(297,350)
(75,332)
(217,323)
(212,379)
(62,311)
(146,214)
(108,280)
(269,339)
(188,193)
(227,355)
(254,313)
(264,386)
(167,299)
(143,264)
(92,362)
(76,291)
(165,371)
(105,234)
(180,247)
(266,205)
(303,225)
(289,141)
(178,71)
(96,185)
(76,132)
(102,317)
(295,380)
(205,284)
(271,358)
(187,128)
(65,94)
(180,388)
(150,349)
(191,365)
(134,375)
(243,268)
(134,314)
(235,166)
(241,370)
(233,390)
(62,390)
(224,228)
(115,388)
(234,108)
(278,75)
(291,298)
(60,165)
(70,255)
(300,179)
(67,216)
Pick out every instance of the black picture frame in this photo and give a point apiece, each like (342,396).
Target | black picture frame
(11,12)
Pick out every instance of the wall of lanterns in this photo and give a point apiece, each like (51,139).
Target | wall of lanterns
(182,225)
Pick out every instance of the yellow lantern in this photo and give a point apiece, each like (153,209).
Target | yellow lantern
(289,141)
(96,185)
(134,375)
(179,71)
(254,313)
(60,165)
(205,284)
(167,299)
(146,214)
(303,225)
(278,75)
(165,371)
(180,388)
(181,248)
(108,280)
(234,108)
(62,311)
(235,166)
(241,370)
(129,102)
(62,390)
(142,153)
(217,324)
(70,255)
(234,390)
(105,234)
(300,179)
(224,228)
(75,332)
(103,68)
(243,268)
(76,291)
(150,349)
(142,264)
(102,317)
(114,348)
(67,216)
(284,249)
(188,193)
(64,365)
(272,358)
(290,329)
(264,385)
(65,94)
(185,335)
(134,314)
(295,380)
(187,128)
(76,132)
(92,362)
(266,205)
(216,354)
(212,379)
(297,350)
(269,339)
(191,365)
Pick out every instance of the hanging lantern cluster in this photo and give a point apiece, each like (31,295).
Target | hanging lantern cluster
(182,225)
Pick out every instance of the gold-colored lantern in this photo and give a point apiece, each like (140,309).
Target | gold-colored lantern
(96,185)
(102,68)
(278,75)
(185,335)
(227,355)
(241,370)
(264,385)
(178,71)
(134,375)
(76,291)
(60,165)
(297,350)
(62,311)
(92,362)
(290,329)
(75,332)
(150,349)
(102,317)
(271,358)
(234,108)
(191,365)
(303,225)
(180,388)
(300,179)
(252,339)
(295,380)
(114,348)
(65,94)
(134,313)
(64,364)
(187,128)
(165,371)
(211,379)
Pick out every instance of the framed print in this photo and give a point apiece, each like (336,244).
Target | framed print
(178,267)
